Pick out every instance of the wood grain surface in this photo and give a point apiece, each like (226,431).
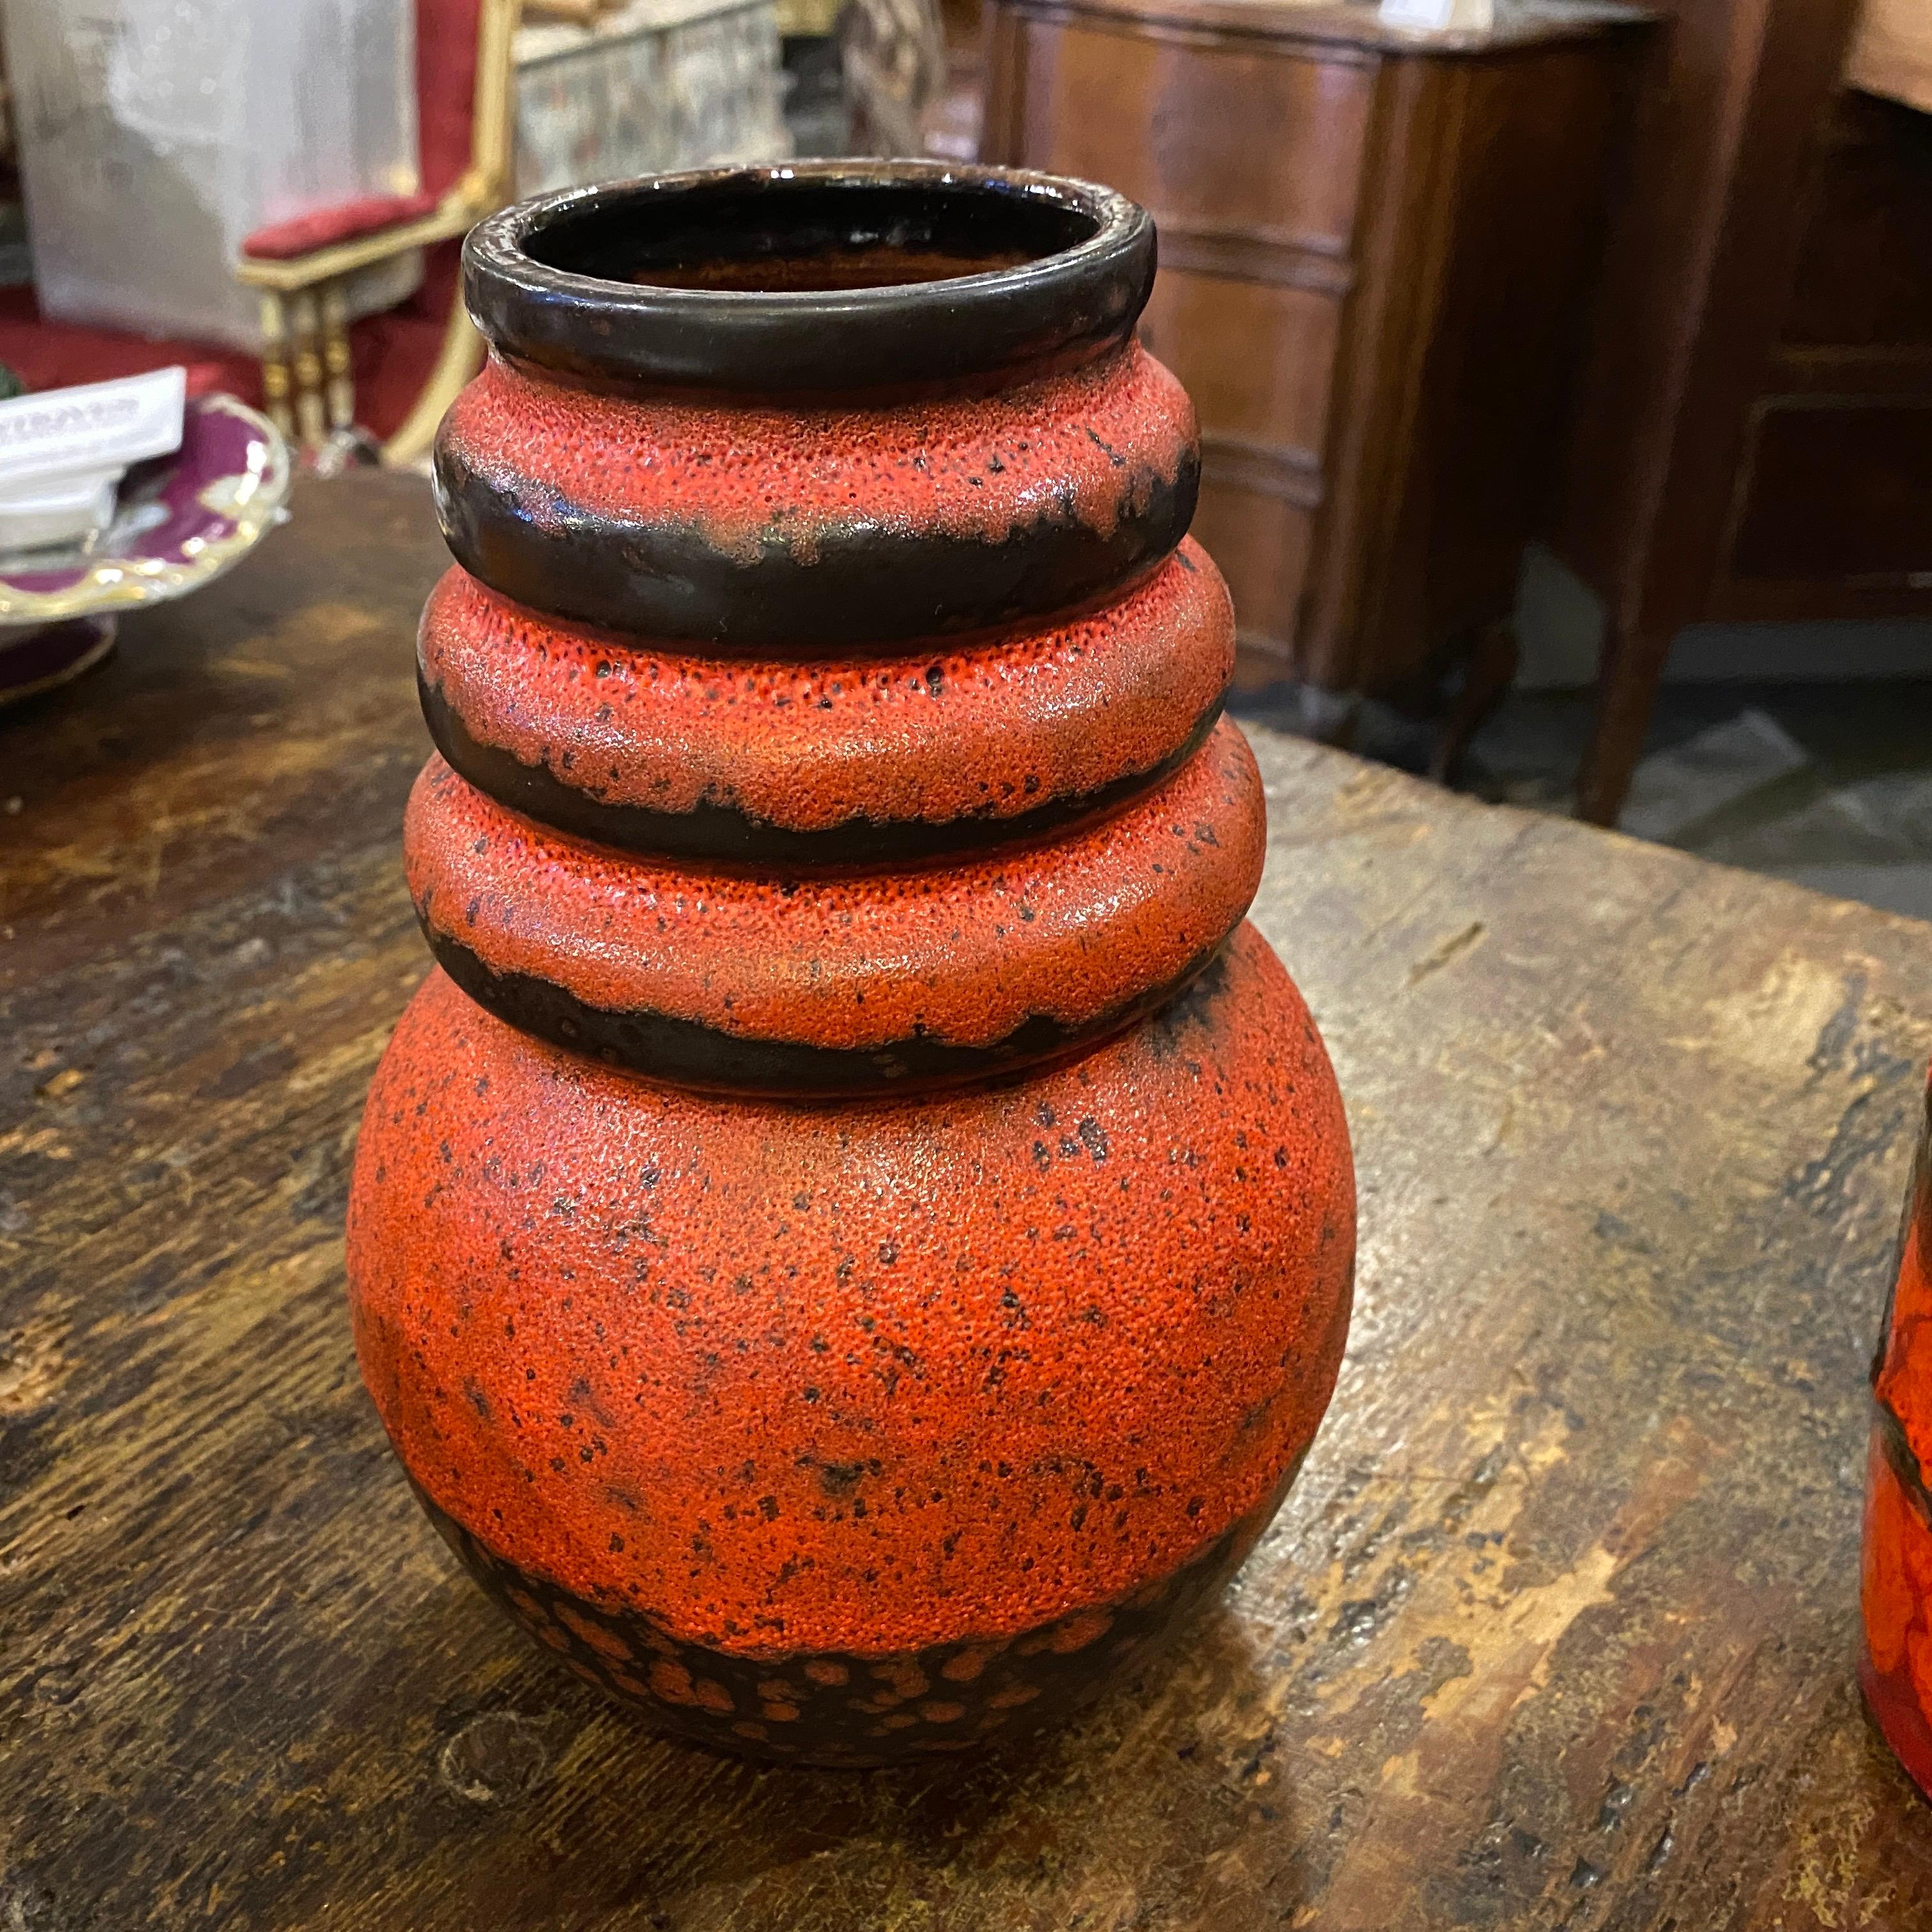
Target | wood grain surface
(1557,1630)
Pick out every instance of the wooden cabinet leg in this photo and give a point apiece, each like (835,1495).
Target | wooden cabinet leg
(1487,678)
(1627,682)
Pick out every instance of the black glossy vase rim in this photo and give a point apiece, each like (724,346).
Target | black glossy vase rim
(561,281)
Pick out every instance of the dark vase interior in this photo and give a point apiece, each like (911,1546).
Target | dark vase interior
(770,234)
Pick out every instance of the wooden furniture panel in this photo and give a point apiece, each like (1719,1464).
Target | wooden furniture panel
(1864,277)
(1748,441)
(1262,539)
(1178,123)
(1374,251)
(1837,490)
(1259,360)
(1557,1627)
(1475,272)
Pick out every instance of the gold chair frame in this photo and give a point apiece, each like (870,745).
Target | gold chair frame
(307,374)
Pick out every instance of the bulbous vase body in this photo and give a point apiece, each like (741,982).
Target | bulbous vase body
(854,1239)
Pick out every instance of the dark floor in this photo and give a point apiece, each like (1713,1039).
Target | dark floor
(1829,785)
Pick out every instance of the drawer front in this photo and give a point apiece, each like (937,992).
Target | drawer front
(1864,272)
(1259,360)
(1262,544)
(1248,144)
(1837,491)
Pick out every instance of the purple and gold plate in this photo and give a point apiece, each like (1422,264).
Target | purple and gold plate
(181,521)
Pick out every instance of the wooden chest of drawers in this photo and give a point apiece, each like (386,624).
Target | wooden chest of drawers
(1374,250)
(1753,439)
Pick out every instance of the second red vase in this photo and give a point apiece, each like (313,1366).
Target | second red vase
(1895,1665)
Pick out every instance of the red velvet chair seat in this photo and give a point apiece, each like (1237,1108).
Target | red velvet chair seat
(325,227)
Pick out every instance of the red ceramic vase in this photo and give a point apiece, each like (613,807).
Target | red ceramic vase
(1895,1665)
(856,1238)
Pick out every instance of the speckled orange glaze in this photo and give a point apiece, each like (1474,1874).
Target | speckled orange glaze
(1086,442)
(1896,1666)
(964,953)
(866,1379)
(857,1241)
(999,729)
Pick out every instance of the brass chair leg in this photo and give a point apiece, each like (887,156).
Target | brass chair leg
(336,358)
(307,330)
(275,362)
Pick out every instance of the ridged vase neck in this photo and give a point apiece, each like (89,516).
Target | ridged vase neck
(800,737)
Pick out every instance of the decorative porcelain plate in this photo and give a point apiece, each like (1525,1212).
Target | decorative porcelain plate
(181,522)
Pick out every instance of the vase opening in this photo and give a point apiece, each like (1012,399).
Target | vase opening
(827,276)
(772,233)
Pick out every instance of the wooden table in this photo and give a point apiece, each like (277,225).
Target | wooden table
(1556,1630)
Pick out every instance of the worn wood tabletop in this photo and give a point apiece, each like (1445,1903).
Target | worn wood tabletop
(1557,1629)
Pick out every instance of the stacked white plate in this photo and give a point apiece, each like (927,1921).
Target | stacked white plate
(63,453)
